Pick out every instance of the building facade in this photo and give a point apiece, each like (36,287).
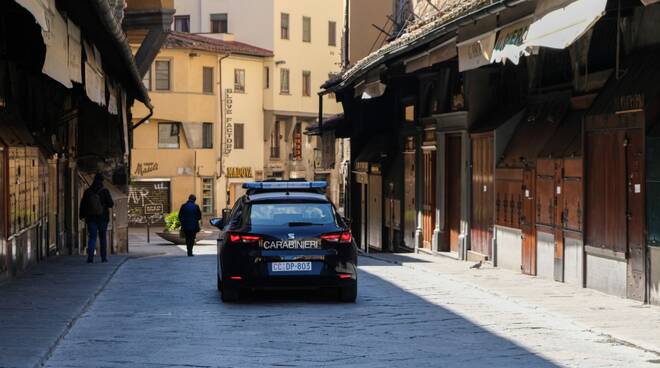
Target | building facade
(67,83)
(205,136)
(305,38)
(513,133)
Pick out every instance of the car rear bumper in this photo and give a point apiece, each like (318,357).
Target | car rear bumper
(253,269)
(289,282)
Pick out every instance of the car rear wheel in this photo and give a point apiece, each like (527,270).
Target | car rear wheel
(229,294)
(348,294)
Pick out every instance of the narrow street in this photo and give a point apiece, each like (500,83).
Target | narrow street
(164,310)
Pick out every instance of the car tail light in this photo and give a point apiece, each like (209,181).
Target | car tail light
(331,237)
(236,238)
(346,237)
(344,276)
(343,237)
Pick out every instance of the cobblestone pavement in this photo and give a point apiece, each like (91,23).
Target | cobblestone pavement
(165,311)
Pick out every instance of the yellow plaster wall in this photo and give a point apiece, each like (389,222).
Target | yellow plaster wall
(317,56)
(185,102)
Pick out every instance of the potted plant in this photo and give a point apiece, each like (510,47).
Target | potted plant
(172,231)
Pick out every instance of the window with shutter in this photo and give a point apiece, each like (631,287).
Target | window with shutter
(207,79)
(162,75)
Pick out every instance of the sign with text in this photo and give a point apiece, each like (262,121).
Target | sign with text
(153,209)
(229,124)
(239,172)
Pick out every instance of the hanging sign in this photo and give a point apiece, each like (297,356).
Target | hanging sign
(229,124)
(56,38)
(75,52)
(476,53)
(510,43)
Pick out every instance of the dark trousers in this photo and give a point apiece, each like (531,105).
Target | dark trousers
(190,240)
(99,229)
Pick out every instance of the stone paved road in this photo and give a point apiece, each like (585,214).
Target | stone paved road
(165,311)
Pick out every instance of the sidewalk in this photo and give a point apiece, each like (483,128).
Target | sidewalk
(623,320)
(39,307)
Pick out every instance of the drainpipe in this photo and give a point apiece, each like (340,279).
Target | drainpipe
(346,56)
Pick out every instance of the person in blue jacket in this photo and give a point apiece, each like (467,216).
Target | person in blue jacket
(189,216)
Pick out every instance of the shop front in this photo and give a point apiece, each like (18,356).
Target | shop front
(619,233)
(516,202)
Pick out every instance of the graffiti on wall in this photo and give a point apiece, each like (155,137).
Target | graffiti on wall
(144,197)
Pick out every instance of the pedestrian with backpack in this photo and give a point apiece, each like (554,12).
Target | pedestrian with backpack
(94,210)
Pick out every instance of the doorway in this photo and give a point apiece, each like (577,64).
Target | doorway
(409,212)
(614,195)
(483,194)
(453,195)
(428,204)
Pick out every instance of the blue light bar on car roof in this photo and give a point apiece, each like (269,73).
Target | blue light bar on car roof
(286,185)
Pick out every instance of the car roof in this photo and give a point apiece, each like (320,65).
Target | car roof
(287,196)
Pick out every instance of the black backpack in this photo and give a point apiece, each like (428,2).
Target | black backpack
(94,203)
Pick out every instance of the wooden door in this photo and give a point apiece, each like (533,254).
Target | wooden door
(635,214)
(548,177)
(605,191)
(409,211)
(571,208)
(428,204)
(453,192)
(483,194)
(527,223)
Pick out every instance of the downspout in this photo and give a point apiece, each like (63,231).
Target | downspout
(346,56)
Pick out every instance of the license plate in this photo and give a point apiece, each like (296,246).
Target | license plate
(291,266)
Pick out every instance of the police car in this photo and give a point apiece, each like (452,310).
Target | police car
(285,234)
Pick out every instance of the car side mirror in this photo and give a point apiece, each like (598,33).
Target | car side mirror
(217,222)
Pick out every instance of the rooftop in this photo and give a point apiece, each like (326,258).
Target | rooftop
(450,11)
(181,40)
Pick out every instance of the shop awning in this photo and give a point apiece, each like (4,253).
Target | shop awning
(476,52)
(374,151)
(334,123)
(438,54)
(497,119)
(567,139)
(510,42)
(637,89)
(557,24)
(540,122)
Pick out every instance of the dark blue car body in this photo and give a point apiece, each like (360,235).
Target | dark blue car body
(264,244)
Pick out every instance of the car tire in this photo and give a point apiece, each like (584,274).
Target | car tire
(348,294)
(229,294)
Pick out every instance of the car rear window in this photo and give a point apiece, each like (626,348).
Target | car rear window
(291,214)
